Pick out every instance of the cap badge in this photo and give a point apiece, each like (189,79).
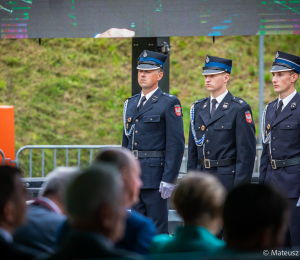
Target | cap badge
(202,127)
(207,59)
(145,54)
(277,55)
(268,126)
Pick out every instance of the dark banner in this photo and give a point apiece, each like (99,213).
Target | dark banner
(146,18)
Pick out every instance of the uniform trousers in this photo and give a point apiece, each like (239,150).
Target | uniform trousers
(152,205)
(292,238)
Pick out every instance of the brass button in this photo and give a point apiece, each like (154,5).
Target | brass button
(288,126)
(135,143)
(274,127)
(151,119)
(207,141)
(274,138)
(206,129)
(136,120)
(222,126)
(208,152)
(274,149)
(136,131)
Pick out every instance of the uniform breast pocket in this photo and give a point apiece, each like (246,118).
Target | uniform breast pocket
(200,130)
(223,133)
(289,132)
(128,122)
(152,124)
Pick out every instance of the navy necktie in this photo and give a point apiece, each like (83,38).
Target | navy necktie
(141,103)
(213,107)
(279,108)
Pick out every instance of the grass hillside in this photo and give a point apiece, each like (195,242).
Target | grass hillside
(72,91)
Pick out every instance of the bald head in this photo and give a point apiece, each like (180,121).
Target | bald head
(130,171)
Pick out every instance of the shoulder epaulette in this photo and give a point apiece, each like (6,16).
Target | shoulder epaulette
(133,96)
(168,95)
(275,100)
(240,101)
(200,100)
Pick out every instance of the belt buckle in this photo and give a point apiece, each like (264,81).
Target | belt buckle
(273,164)
(135,154)
(207,163)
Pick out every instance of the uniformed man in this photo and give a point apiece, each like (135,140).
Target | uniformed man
(280,159)
(153,130)
(222,132)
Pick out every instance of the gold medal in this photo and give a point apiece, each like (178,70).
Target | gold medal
(127,126)
(202,127)
(129,119)
(268,126)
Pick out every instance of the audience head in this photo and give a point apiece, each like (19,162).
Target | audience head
(12,198)
(255,218)
(199,200)
(56,184)
(130,171)
(94,201)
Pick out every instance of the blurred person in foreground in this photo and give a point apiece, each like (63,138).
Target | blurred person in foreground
(47,212)
(199,200)
(94,205)
(139,229)
(12,213)
(255,219)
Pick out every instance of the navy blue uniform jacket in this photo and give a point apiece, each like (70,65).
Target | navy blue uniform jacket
(227,135)
(157,128)
(285,133)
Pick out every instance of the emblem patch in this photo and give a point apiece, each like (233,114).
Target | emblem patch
(225,105)
(177,110)
(145,54)
(202,127)
(268,126)
(248,117)
(207,59)
(204,106)
(277,55)
(129,119)
(293,105)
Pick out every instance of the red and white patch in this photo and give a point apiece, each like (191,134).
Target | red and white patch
(177,110)
(248,117)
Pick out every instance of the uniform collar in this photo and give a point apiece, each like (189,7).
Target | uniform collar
(219,98)
(149,94)
(6,235)
(52,205)
(287,99)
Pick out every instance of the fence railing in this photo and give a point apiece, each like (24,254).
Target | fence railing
(91,149)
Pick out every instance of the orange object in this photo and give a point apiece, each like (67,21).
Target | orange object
(7,133)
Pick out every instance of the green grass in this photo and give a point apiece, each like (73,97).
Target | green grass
(72,91)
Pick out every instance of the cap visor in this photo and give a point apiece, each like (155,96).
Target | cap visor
(212,72)
(278,68)
(147,67)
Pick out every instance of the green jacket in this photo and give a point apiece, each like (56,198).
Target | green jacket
(187,239)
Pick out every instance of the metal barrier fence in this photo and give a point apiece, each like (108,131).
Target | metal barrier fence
(91,149)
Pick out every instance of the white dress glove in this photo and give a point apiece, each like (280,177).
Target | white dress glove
(166,189)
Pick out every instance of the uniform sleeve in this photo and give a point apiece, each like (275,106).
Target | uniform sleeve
(264,161)
(174,142)
(124,140)
(192,152)
(246,147)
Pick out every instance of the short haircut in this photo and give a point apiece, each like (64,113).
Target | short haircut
(160,70)
(250,208)
(198,194)
(115,157)
(294,72)
(8,176)
(98,185)
(57,181)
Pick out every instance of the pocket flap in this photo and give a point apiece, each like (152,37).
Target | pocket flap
(287,125)
(222,126)
(156,162)
(151,119)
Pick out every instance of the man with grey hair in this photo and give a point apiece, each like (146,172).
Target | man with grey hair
(47,212)
(96,214)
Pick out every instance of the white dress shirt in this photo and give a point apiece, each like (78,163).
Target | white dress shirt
(147,96)
(219,99)
(6,235)
(286,100)
(52,205)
